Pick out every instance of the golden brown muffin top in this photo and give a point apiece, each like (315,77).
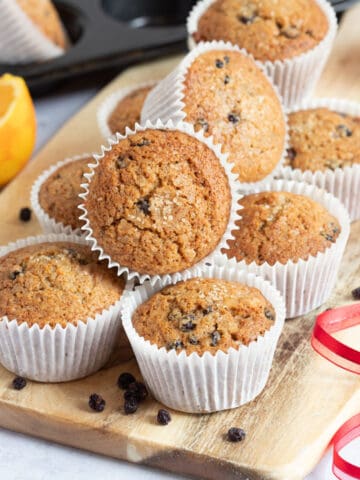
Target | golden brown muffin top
(128,110)
(55,284)
(204,315)
(159,202)
(268,29)
(322,139)
(281,226)
(229,97)
(44,15)
(59,194)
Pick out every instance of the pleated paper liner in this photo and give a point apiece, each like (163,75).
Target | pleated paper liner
(295,77)
(57,354)
(189,130)
(165,101)
(305,284)
(20,40)
(207,383)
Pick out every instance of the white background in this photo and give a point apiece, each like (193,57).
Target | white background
(27,458)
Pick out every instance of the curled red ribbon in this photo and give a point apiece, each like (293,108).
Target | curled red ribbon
(342,468)
(338,353)
(325,344)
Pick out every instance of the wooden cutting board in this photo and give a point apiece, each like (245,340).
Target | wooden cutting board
(288,426)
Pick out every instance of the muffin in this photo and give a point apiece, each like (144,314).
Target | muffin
(281,226)
(55,195)
(291,38)
(268,29)
(44,16)
(204,315)
(204,344)
(321,139)
(324,149)
(128,110)
(30,31)
(294,235)
(224,93)
(159,201)
(56,298)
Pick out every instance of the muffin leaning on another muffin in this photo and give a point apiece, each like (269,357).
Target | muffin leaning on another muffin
(159,201)
(30,30)
(122,109)
(294,235)
(204,344)
(59,308)
(324,149)
(292,38)
(55,195)
(220,90)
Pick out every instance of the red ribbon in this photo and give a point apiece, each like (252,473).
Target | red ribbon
(348,432)
(325,344)
(338,353)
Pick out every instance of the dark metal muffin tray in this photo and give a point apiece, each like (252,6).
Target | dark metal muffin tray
(112,34)
(109,34)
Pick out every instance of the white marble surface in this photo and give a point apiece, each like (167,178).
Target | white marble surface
(27,458)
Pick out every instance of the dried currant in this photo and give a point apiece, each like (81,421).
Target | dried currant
(234,118)
(125,379)
(236,434)
(144,205)
(163,417)
(19,383)
(96,402)
(131,405)
(25,214)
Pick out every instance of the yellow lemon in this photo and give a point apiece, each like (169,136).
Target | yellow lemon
(17,126)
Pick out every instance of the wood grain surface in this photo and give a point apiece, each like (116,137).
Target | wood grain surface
(288,426)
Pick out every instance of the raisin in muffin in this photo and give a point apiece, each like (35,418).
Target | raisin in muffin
(59,194)
(55,284)
(159,201)
(322,139)
(204,315)
(44,16)
(281,226)
(268,29)
(128,110)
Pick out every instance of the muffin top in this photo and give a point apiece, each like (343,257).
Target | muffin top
(59,194)
(268,29)
(159,201)
(322,139)
(229,97)
(55,284)
(128,110)
(44,15)
(204,315)
(281,226)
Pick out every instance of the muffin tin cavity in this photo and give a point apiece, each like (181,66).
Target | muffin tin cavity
(109,34)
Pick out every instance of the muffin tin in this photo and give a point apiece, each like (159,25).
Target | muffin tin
(109,34)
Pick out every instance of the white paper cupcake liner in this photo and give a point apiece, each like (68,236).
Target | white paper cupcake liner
(189,130)
(47,223)
(165,101)
(343,183)
(305,284)
(207,383)
(109,104)
(295,77)
(20,40)
(57,354)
